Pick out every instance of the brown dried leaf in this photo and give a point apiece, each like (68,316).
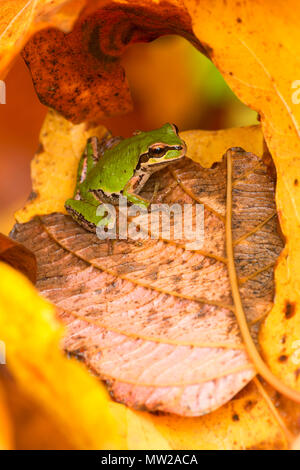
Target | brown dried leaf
(155,319)
(18,257)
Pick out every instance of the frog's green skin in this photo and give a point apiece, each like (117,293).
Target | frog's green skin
(121,170)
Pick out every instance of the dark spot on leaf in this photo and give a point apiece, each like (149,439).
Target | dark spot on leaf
(153,275)
(249,405)
(231,327)
(296,182)
(33,195)
(166,319)
(235,417)
(239,20)
(289,309)
(197,267)
(283,358)
(40,148)
(200,315)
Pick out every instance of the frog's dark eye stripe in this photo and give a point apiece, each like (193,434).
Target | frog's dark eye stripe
(159,152)
(143,159)
(156,152)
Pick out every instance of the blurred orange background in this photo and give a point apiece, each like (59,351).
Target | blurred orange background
(169,80)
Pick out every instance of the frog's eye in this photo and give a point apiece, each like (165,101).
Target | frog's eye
(157,151)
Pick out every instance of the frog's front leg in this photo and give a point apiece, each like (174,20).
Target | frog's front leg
(128,192)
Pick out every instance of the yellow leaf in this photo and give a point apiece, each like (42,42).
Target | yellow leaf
(55,165)
(296,444)
(243,423)
(138,429)
(19,19)
(207,147)
(6,433)
(32,334)
(63,388)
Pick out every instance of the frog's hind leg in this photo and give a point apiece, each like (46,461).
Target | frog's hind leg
(155,192)
(107,143)
(93,152)
(87,161)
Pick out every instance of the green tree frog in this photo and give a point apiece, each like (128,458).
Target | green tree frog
(121,169)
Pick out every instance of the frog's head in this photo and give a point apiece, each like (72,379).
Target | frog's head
(164,147)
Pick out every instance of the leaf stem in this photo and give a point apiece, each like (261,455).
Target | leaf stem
(288,435)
